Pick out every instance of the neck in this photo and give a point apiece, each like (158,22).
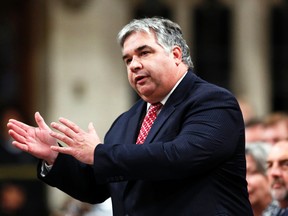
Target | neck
(259,207)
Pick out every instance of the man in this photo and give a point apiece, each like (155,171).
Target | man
(275,127)
(258,187)
(191,163)
(277,172)
(254,131)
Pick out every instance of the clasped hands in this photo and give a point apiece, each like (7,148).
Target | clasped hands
(41,141)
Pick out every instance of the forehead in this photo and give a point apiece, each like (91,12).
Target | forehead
(279,152)
(137,39)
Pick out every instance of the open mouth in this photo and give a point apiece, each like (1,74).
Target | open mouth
(140,79)
(276,185)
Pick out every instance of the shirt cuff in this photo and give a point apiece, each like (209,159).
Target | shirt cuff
(45,168)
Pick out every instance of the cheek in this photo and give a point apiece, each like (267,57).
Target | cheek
(251,182)
(257,182)
(130,78)
(165,80)
(285,178)
(270,179)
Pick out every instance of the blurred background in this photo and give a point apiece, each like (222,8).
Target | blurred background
(60,57)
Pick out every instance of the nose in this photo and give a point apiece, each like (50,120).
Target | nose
(135,64)
(274,171)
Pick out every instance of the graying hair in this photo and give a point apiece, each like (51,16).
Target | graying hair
(259,152)
(168,34)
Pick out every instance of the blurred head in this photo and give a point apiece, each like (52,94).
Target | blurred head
(277,171)
(258,186)
(254,130)
(6,113)
(12,199)
(156,56)
(276,127)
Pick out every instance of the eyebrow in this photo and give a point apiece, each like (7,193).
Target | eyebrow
(138,49)
(279,161)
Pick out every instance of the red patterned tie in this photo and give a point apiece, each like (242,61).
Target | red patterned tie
(148,122)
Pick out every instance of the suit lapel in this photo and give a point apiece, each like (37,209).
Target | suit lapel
(160,120)
(134,124)
(179,94)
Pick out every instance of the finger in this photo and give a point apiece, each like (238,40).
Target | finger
(40,121)
(63,129)
(16,129)
(18,124)
(67,140)
(20,146)
(70,125)
(64,150)
(16,136)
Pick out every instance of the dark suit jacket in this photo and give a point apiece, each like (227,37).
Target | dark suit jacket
(192,162)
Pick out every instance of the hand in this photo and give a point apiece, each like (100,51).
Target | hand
(34,140)
(80,144)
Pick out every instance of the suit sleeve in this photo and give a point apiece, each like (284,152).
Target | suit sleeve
(75,179)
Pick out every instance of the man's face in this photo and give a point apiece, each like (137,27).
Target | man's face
(258,186)
(276,132)
(277,171)
(152,71)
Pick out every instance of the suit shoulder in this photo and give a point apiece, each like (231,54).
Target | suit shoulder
(203,87)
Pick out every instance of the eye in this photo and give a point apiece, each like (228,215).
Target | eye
(268,165)
(284,165)
(127,61)
(144,53)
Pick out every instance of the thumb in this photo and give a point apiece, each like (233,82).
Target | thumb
(91,128)
(40,121)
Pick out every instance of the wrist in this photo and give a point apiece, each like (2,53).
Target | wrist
(50,161)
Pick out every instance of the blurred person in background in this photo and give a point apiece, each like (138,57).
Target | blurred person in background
(254,130)
(277,171)
(258,185)
(13,198)
(275,127)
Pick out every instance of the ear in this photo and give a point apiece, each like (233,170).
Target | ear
(177,54)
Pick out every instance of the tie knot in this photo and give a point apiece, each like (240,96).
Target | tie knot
(155,107)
